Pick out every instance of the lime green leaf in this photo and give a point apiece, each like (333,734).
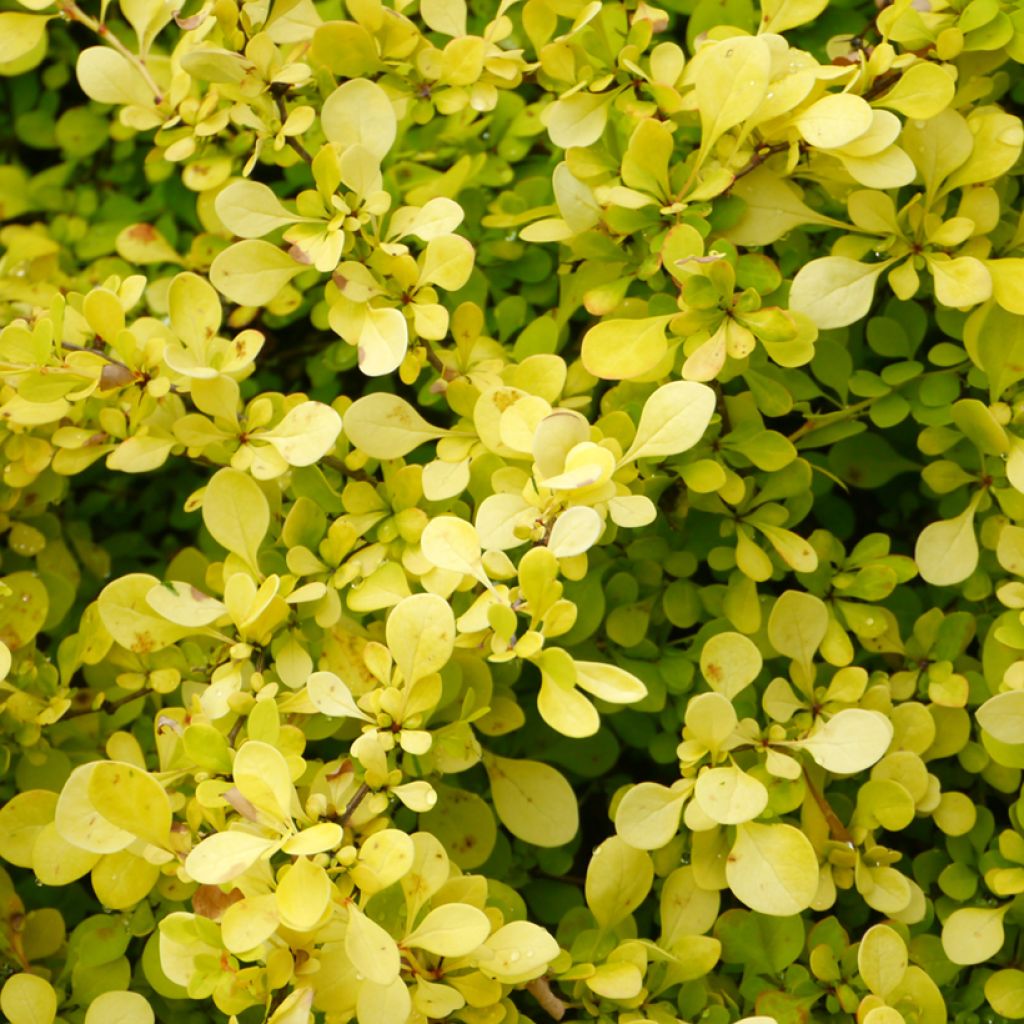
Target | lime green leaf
(445,16)
(80,823)
(533,800)
(577,120)
(780,15)
(730,84)
(518,952)
(237,514)
(109,77)
(609,682)
(250,209)
(922,91)
(772,868)
(452,543)
(1005,992)
(22,818)
(797,626)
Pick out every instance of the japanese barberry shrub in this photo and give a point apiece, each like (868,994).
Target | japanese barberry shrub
(511,511)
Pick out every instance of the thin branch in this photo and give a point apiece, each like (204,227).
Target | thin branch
(73,12)
(759,157)
(540,989)
(839,831)
(294,143)
(107,709)
(353,805)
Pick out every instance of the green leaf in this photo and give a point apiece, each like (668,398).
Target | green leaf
(797,626)
(947,551)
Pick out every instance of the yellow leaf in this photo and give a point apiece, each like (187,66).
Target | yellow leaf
(383,340)
(773,869)
(882,959)
(248,923)
(922,91)
(372,951)
(420,632)
(730,796)
(55,861)
(973,935)
(80,822)
(963,281)
(609,682)
(1002,717)
(109,77)
(305,435)
(565,709)
(773,207)
(575,531)
(780,15)
(387,427)
(731,79)
(947,551)
(28,999)
(359,113)
(252,272)
(673,420)
(647,817)
(237,514)
(533,800)
(577,120)
(852,740)
(250,209)
(624,349)
(120,1008)
(445,16)
(303,895)
(797,626)
(120,880)
(518,952)
(332,697)
(453,929)
(619,877)
(451,543)
(223,856)
(835,291)
(384,858)
(730,662)
(446,262)
(261,773)
(377,1002)
(132,800)
(20,33)
(22,818)
(834,120)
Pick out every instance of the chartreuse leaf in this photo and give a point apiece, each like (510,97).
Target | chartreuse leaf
(772,868)
(1005,992)
(80,822)
(453,544)
(533,800)
(625,349)
(454,929)
(251,209)
(972,935)
(384,858)
(22,818)
(835,291)
(224,856)
(729,796)
(262,776)
(332,697)
(797,626)
(237,514)
(303,895)
(128,616)
(731,84)
(359,113)
(618,879)
(305,435)
(609,682)
(28,999)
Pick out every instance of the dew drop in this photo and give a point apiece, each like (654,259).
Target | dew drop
(514,955)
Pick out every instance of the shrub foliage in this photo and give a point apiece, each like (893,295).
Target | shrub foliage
(512,511)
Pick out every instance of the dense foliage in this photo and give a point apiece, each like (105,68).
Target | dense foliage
(511,511)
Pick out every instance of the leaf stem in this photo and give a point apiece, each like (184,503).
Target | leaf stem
(839,831)
(353,805)
(107,709)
